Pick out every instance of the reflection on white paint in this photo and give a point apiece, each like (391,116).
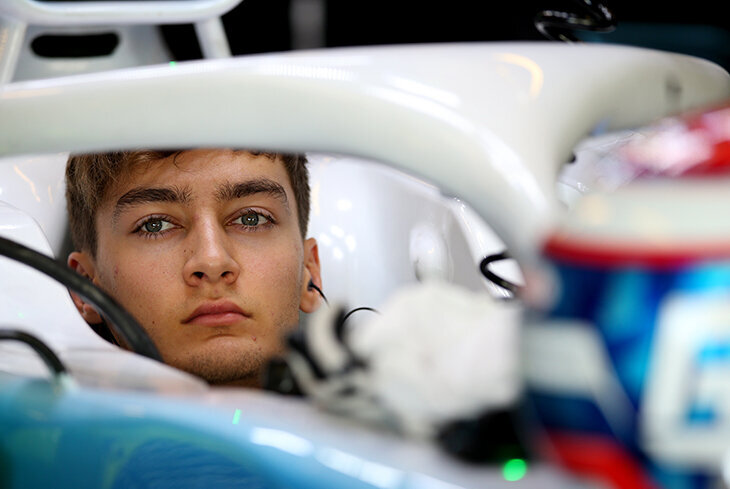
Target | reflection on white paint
(412,86)
(313,72)
(536,73)
(4,35)
(324,239)
(337,253)
(29,93)
(285,441)
(29,181)
(337,231)
(370,472)
(423,481)
(426,106)
(351,243)
(344,205)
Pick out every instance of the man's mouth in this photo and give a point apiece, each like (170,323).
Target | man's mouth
(216,314)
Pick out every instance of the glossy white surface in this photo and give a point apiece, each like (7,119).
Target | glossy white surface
(30,300)
(12,32)
(491,123)
(35,185)
(119,12)
(379,229)
(138,46)
(135,22)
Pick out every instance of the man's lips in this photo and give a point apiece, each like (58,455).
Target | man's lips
(216,314)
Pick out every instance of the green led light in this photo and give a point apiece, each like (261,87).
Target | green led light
(236,416)
(514,469)
(21,315)
(173,63)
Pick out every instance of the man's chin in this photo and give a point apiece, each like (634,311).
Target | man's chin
(224,363)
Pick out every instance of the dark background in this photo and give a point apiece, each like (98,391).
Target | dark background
(258,26)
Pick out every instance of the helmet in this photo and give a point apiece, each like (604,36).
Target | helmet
(628,363)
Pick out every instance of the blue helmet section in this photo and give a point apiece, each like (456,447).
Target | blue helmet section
(626,306)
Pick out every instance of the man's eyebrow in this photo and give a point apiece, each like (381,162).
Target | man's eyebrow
(147,195)
(231,191)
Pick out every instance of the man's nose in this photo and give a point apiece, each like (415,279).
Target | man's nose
(210,259)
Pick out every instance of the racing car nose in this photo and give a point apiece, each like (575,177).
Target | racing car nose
(209,259)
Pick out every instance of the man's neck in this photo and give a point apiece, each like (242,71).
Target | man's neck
(253,382)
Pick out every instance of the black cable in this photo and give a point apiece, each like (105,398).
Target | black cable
(559,26)
(364,308)
(493,277)
(341,321)
(312,286)
(118,318)
(49,357)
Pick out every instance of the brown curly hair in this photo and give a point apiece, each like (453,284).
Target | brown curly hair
(90,176)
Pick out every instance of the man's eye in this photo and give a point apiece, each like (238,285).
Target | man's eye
(156,226)
(253,219)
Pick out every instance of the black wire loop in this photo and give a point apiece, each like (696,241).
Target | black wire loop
(119,319)
(311,285)
(559,26)
(357,309)
(44,351)
(493,277)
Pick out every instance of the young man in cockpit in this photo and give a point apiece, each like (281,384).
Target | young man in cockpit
(206,248)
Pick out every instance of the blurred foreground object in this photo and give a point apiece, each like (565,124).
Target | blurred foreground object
(694,144)
(628,366)
(435,356)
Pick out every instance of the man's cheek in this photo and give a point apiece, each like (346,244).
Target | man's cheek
(132,288)
(275,263)
(287,275)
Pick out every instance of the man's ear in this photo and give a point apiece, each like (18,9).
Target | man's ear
(83,264)
(310,298)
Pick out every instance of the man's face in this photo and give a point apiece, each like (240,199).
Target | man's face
(204,249)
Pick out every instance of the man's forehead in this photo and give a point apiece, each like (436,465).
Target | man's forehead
(208,163)
(205,171)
